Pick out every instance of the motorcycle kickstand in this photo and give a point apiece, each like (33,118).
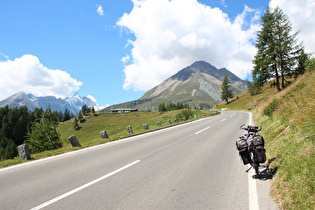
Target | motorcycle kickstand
(249,169)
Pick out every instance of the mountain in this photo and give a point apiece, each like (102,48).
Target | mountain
(197,85)
(78,101)
(73,103)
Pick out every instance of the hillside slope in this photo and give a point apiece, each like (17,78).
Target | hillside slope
(288,120)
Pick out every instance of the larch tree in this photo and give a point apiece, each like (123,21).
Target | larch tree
(277,51)
(226,91)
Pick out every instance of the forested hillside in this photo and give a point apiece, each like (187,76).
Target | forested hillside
(17,126)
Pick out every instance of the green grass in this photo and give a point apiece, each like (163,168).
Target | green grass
(115,126)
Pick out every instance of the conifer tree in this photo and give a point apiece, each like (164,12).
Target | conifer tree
(66,115)
(277,51)
(44,135)
(162,107)
(226,92)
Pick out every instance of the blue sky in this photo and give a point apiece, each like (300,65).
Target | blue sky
(116,50)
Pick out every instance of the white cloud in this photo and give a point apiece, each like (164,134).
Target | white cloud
(223,3)
(4,56)
(27,74)
(99,10)
(302,17)
(171,35)
(125,59)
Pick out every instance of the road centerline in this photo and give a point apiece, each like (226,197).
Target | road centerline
(202,130)
(84,186)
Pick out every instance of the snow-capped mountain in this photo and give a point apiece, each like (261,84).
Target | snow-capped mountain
(78,101)
(73,103)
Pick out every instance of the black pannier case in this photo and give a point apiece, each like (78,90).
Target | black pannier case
(259,141)
(241,145)
(261,154)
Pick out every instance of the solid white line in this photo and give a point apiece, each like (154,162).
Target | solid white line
(202,130)
(252,191)
(84,186)
(252,188)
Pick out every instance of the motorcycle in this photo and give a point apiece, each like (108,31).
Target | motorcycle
(251,147)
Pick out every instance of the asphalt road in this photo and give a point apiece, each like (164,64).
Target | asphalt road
(189,166)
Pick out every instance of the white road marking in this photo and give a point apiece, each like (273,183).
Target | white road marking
(252,191)
(223,119)
(232,115)
(202,130)
(84,186)
(252,188)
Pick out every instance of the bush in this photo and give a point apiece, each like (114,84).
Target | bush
(185,113)
(310,65)
(9,150)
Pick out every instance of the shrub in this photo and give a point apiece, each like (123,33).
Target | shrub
(310,65)
(185,113)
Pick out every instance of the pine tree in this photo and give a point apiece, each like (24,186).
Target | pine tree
(277,51)
(43,135)
(67,115)
(162,107)
(85,109)
(263,59)
(92,109)
(226,92)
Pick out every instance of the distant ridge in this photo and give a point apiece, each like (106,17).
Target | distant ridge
(198,85)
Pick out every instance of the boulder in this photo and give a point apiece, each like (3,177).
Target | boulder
(24,152)
(129,129)
(74,141)
(104,135)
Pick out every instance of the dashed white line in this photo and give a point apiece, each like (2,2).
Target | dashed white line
(84,186)
(232,115)
(223,119)
(202,130)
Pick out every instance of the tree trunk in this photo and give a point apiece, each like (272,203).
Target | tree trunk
(277,79)
(283,81)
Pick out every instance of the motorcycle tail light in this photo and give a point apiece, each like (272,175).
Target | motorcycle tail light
(250,146)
